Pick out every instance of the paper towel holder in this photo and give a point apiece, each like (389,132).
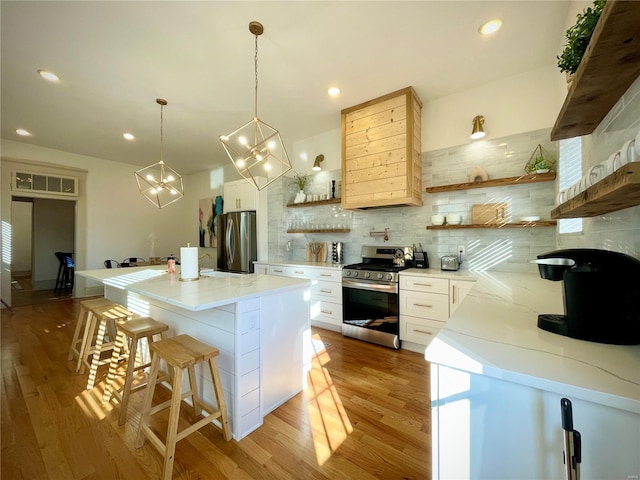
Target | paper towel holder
(185,257)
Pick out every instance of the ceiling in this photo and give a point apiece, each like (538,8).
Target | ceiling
(114,58)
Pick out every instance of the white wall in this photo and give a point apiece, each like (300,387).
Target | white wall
(21,212)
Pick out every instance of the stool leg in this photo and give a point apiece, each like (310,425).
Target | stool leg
(193,385)
(172,427)
(222,406)
(87,340)
(148,398)
(113,367)
(95,359)
(76,334)
(126,391)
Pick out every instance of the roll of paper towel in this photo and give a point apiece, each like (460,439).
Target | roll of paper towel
(188,263)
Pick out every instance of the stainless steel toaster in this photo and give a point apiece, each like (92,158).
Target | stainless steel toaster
(449,262)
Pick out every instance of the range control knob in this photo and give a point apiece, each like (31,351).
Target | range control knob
(379,276)
(367,275)
(348,273)
(389,276)
(355,274)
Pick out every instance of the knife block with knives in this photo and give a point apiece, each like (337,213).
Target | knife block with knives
(316,252)
(420,257)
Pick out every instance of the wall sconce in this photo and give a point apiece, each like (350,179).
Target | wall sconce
(316,165)
(478,129)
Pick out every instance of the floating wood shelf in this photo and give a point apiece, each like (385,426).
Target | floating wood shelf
(537,223)
(319,230)
(619,190)
(498,182)
(331,201)
(607,69)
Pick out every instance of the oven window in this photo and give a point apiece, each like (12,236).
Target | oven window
(369,309)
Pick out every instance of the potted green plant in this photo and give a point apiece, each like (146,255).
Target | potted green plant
(300,181)
(539,165)
(578,36)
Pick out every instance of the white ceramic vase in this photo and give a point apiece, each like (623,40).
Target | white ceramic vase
(300,197)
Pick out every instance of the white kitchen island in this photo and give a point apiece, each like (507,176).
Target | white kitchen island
(259,323)
(497,380)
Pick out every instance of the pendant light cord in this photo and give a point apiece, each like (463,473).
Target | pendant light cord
(161,134)
(255,104)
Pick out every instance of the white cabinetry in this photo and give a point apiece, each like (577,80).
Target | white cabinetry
(426,303)
(424,307)
(458,289)
(240,195)
(326,292)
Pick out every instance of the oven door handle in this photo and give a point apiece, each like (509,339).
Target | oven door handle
(374,287)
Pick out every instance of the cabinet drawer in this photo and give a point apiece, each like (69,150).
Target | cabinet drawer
(331,275)
(419,330)
(279,270)
(328,312)
(424,284)
(434,306)
(323,290)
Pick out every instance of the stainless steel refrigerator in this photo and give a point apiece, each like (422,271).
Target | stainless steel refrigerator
(237,241)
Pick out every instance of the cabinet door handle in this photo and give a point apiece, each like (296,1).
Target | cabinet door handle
(328,312)
(423,284)
(422,331)
(299,272)
(277,271)
(326,275)
(453,294)
(326,291)
(422,305)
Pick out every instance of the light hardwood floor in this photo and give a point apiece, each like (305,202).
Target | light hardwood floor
(364,415)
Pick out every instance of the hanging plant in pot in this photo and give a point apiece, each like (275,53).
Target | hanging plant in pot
(577,39)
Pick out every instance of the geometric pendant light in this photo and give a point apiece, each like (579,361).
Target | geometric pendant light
(256,149)
(159,183)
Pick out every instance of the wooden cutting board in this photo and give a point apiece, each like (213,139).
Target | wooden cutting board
(485,213)
(316,252)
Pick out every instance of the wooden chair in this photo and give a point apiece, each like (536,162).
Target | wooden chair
(180,353)
(134,331)
(66,273)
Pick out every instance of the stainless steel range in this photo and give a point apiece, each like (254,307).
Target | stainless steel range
(370,300)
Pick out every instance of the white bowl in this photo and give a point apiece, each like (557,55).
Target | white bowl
(437,219)
(454,219)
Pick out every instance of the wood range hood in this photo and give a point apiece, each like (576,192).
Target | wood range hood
(381,152)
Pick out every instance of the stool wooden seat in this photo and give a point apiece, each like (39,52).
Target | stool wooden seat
(180,353)
(82,327)
(134,330)
(100,320)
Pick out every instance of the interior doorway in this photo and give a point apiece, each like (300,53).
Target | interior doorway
(39,228)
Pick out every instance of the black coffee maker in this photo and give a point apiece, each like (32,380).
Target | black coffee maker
(601,295)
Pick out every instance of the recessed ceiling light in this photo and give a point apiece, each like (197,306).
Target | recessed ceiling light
(128,136)
(333,91)
(52,77)
(23,132)
(492,26)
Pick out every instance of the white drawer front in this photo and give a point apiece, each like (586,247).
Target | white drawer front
(301,272)
(328,312)
(324,290)
(279,270)
(419,330)
(434,306)
(424,284)
(331,275)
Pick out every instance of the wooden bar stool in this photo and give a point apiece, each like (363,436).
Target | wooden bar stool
(181,352)
(133,330)
(101,319)
(82,328)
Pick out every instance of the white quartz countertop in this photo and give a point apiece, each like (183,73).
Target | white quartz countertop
(494,332)
(213,289)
